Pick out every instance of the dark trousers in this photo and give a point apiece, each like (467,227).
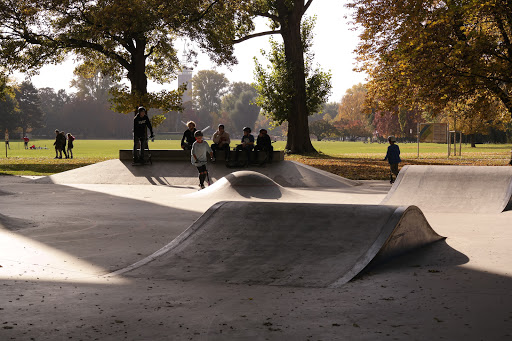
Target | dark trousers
(269,151)
(203,172)
(139,142)
(225,148)
(393,169)
(247,150)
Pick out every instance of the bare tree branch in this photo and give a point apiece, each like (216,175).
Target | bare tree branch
(306,6)
(260,34)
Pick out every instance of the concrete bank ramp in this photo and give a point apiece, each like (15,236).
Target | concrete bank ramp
(182,173)
(290,244)
(244,184)
(453,189)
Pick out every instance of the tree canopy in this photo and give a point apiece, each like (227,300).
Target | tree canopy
(208,88)
(430,53)
(131,39)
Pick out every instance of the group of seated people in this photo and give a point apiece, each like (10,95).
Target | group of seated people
(221,141)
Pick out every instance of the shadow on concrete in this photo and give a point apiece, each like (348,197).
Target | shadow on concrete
(431,255)
(108,231)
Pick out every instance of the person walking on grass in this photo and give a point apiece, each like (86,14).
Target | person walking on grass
(7,145)
(71,138)
(198,157)
(393,157)
(60,144)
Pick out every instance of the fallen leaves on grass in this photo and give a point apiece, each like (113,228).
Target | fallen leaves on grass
(376,169)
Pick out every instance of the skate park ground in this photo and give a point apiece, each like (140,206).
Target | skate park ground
(86,255)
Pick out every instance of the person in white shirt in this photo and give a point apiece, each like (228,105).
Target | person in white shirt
(221,141)
(198,157)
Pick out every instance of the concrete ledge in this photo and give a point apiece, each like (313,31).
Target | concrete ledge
(184,155)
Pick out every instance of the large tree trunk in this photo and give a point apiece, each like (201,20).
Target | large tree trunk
(298,140)
(137,73)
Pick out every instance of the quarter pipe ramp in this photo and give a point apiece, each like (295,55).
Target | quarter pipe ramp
(453,189)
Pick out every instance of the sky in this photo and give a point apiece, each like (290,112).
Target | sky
(334,43)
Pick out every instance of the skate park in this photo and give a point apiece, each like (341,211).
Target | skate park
(282,252)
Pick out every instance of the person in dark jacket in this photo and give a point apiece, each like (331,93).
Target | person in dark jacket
(246,145)
(264,143)
(393,157)
(71,138)
(141,123)
(60,144)
(188,138)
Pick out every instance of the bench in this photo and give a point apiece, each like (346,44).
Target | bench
(184,155)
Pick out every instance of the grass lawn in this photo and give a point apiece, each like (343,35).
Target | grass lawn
(353,160)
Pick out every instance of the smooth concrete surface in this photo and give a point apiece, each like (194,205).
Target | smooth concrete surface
(182,173)
(62,238)
(290,244)
(470,189)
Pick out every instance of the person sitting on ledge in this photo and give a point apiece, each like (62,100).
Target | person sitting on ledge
(264,143)
(221,141)
(188,138)
(247,145)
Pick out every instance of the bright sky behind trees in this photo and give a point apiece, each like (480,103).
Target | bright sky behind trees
(334,43)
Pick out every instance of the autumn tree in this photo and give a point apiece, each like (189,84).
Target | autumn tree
(353,119)
(322,129)
(423,53)
(476,114)
(281,96)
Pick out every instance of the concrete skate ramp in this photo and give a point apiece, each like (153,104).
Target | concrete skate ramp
(244,184)
(291,244)
(182,173)
(453,189)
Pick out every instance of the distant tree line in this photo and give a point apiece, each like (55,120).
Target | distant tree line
(353,118)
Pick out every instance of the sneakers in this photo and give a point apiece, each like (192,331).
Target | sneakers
(201,186)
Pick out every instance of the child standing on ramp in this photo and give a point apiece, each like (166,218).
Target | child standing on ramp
(198,157)
(393,157)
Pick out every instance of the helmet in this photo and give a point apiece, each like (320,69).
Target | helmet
(391,139)
(141,108)
(198,133)
(247,129)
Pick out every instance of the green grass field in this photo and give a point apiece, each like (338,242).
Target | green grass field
(355,160)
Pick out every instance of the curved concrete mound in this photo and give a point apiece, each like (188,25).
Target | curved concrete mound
(182,173)
(243,184)
(453,189)
(290,244)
